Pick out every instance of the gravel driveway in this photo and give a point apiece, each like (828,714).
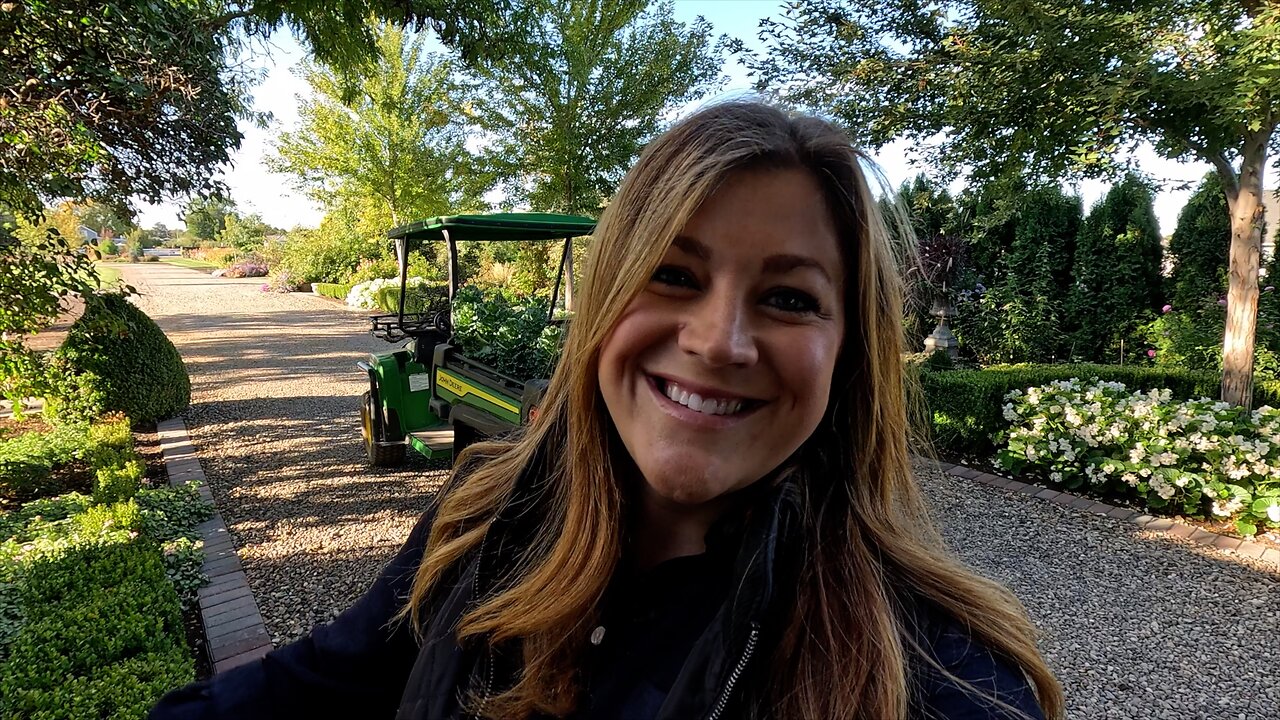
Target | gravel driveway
(1136,625)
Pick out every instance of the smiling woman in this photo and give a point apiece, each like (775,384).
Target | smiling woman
(714,515)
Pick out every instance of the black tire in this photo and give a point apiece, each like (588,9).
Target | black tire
(463,435)
(378,455)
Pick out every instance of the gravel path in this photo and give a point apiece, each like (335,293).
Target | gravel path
(275,416)
(1136,625)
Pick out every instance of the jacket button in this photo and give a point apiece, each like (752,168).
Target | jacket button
(597,635)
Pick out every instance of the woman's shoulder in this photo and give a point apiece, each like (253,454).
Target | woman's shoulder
(962,678)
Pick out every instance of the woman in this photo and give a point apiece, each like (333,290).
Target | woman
(714,515)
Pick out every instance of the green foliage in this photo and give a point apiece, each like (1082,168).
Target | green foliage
(1044,89)
(1199,247)
(172,513)
(245,233)
(1199,458)
(399,142)
(965,405)
(96,617)
(206,217)
(506,331)
(1019,317)
(590,82)
(108,247)
(36,278)
(94,117)
(30,461)
(337,291)
(427,297)
(92,589)
(117,483)
(1117,273)
(137,368)
(318,256)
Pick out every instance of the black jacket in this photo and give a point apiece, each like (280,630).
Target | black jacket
(362,665)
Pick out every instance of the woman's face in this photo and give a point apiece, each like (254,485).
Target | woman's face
(722,366)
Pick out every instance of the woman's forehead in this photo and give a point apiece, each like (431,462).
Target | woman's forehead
(777,217)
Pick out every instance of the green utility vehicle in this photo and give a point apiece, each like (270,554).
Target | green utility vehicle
(426,394)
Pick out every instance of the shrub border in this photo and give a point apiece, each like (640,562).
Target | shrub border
(233,627)
(1150,523)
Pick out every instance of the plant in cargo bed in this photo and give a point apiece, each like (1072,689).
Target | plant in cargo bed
(506,331)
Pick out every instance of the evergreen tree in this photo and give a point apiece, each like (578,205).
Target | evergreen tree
(1116,271)
(1036,278)
(1199,247)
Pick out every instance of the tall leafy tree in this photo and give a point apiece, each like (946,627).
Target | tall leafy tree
(206,217)
(569,108)
(1055,87)
(1199,246)
(1116,272)
(399,141)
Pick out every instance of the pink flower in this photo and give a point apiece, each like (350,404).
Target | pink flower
(1222,302)
(1269,288)
(1166,308)
(1151,353)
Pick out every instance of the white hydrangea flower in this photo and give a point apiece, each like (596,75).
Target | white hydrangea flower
(1055,476)
(1273,513)
(1130,478)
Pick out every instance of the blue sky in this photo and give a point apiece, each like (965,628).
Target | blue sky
(255,189)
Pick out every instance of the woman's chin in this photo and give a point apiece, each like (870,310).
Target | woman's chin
(683,484)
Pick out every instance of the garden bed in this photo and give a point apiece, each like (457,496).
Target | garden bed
(97,588)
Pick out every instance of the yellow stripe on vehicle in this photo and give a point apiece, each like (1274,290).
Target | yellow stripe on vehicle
(462,388)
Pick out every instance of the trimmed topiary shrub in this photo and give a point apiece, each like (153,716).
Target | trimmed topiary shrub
(337,291)
(135,367)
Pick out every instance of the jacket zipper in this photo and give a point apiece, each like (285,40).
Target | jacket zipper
(738,669)
(488,655)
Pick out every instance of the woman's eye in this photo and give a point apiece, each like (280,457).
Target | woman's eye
(793,301)
(675,277)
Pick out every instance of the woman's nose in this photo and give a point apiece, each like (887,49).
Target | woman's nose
(718,330)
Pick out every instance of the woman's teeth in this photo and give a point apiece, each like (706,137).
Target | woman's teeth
(697,403)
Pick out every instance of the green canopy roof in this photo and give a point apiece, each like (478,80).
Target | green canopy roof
(496,226)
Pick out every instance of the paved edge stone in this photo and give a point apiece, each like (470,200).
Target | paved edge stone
(233,628)
(1165,526)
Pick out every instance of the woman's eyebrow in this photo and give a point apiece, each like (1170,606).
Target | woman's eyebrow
(693,246)
(780,264)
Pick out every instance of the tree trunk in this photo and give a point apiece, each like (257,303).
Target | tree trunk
(1244,202)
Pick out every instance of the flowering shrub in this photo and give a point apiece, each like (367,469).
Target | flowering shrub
(247,267)
(283,282)
(1202,457)
(364,295)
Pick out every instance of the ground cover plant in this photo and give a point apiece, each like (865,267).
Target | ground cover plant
(93,585)
(1200,457)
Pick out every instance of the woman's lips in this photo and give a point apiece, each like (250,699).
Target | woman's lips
(693,417)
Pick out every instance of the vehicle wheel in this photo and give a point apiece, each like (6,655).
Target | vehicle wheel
(463,435)
(378,455)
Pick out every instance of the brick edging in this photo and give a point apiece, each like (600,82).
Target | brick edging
(1167,526)
(233,627)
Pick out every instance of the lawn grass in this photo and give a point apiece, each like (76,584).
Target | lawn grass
(110,276)
(189,263)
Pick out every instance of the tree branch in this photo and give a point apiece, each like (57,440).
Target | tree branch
(226,19)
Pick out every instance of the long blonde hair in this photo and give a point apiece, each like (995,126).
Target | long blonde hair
(847,649)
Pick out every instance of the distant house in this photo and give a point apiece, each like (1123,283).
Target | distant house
(89,234)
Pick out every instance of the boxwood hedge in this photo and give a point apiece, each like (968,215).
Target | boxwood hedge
(128,358)
(965,407)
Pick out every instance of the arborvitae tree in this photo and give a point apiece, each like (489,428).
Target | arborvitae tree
(1199,247)
(1036,278)
(1117,272)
